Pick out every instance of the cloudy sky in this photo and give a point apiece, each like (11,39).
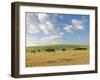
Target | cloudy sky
(51,28)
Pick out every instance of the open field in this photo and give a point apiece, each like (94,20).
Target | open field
(58,57)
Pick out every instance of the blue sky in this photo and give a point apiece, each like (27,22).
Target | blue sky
(52,28)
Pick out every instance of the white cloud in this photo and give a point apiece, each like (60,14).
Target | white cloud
(42,17)
(47,40)
(47,28)
(33,41)
(40,22)
(53,39)
(69,28)
(78,24)
(33,29)
(30,24)
(51,26)
(61,33)
(44,28)
(46,25)
(74,26)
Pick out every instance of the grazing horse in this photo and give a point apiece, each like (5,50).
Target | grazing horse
(33,51)
(80,49)
(50,50)
(39,50)
(63,49)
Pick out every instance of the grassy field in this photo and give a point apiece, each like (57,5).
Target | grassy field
(57,58)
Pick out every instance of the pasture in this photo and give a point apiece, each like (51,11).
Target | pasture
(62,55)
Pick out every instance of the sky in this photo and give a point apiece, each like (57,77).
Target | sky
(51,28)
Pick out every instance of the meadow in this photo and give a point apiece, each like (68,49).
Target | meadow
(37,56)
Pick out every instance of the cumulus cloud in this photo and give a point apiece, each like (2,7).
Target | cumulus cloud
(74,26)
(61,33)
(78,24)
(69,28)
(42,17)
(47,40)
(40,22)
(33,29)
(46,25)
(53,39)
(31,24)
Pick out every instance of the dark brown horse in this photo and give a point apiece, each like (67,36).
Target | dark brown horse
(80,49)
(63,49)
(50,50)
